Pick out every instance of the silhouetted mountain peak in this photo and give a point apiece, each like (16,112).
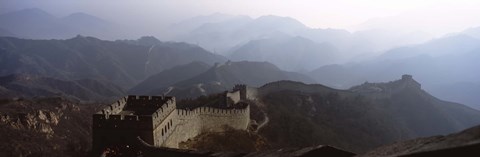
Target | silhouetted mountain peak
(230,64)
(80,18)
(83,39)
(35,12)
(80,15)
(17,77)
(454,39)
(149,40)
(277,21)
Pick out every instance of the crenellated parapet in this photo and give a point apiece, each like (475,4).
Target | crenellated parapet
(114,108)
(186,113)
(143,112)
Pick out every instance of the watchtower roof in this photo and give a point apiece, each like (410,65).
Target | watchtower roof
(143,105)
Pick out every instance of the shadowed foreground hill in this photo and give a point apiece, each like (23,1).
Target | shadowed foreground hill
(359,119)
(465,143)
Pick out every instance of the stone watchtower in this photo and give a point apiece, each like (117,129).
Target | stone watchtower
(410,81)
(242,89)
(122,122)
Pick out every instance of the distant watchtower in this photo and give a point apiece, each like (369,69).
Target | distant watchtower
(407,77)
(147,117)
(410,81)
(243,91)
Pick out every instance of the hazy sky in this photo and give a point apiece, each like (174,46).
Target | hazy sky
(432,16)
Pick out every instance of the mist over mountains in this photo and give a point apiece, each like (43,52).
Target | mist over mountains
(444,65)
(312,85)
(197,79)
(37,24)
(334,57)
(122,64)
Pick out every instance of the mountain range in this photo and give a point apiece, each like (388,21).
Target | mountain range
(30,86)
(120,62)
(279,39)
(49,74)
(289,53)
(445,65)
(196,79)
(35,23)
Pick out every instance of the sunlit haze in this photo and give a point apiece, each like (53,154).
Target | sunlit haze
(430,16)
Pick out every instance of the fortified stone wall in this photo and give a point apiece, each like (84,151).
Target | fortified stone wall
(157,120)
(190,123)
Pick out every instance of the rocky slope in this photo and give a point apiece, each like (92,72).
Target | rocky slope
(44,127)
(429,145)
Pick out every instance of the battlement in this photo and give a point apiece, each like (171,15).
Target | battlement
(213,111)
(144,112)
(238,87)
(114,108)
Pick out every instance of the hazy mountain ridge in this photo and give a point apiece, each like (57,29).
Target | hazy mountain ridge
(222,35)
(169,77)
(6,33)
(227,35)
(89,69)
(35,23)
(215,79)
(289,53)
(29,86)
(438,63)
(474,32)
